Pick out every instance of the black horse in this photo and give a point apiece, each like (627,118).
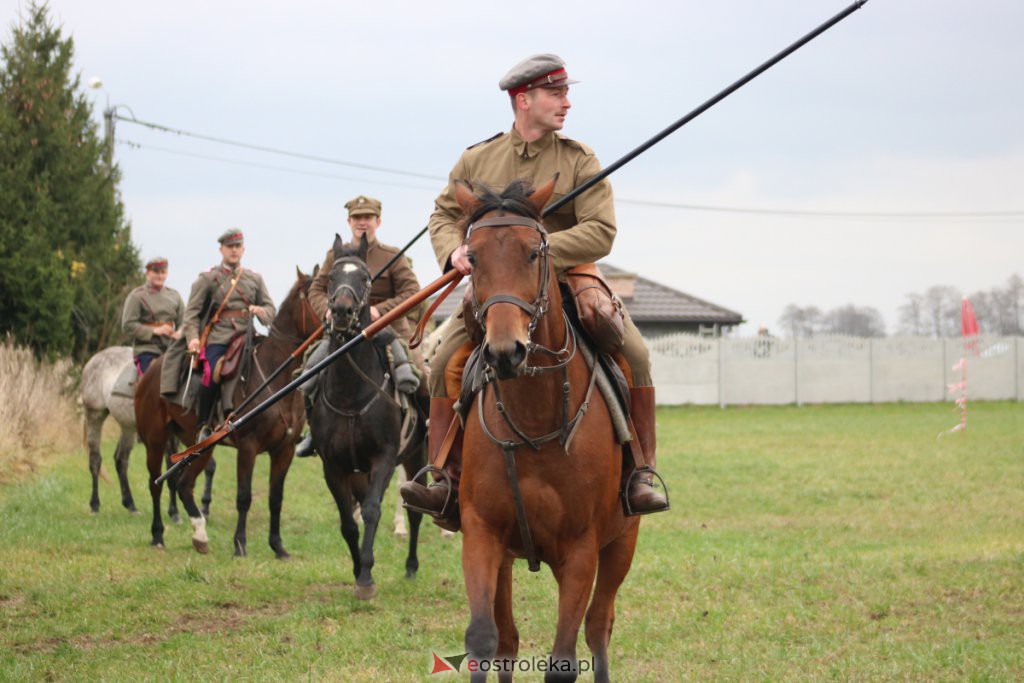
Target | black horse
(356,420)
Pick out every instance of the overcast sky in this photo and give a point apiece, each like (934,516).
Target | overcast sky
(906,106)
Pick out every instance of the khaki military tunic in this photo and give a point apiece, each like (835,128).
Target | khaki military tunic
(393,287)
(144,309)
(580,232)
(507,157)
(209,290)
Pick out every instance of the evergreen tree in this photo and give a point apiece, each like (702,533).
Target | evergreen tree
(66,256)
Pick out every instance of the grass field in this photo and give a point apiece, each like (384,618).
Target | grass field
(818,542)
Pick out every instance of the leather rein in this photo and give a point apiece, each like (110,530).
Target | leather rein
(535,309)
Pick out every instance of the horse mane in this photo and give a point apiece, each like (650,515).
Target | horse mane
(515,199)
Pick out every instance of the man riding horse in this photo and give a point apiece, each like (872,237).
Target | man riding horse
(580,233)
(152,315)
(395,285)
(220,307)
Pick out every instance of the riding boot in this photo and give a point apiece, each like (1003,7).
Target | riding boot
(208,396)
(305,448)
(642,497)
(432,499)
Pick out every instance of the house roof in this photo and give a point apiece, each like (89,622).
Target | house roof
(646,300)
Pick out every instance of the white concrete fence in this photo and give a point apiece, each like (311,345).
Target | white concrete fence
(833,369)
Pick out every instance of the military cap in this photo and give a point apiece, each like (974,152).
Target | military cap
(536,71)
(155,263)
(363,205)
(231,236)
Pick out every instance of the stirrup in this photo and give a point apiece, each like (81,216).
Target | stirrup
(443,513)
(627,508)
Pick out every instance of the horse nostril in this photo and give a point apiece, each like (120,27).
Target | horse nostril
(489,358)
(518,354)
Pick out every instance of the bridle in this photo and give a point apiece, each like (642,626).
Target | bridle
(567,428)
(349,326)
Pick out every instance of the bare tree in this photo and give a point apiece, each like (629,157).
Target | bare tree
(912,317)
(942,311)
(855,321)
(801,322)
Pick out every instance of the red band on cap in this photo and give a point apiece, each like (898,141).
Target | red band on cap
(549,78)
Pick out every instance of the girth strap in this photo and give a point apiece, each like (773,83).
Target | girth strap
(517,496)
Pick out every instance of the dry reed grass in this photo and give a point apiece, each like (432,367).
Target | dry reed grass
(38,417)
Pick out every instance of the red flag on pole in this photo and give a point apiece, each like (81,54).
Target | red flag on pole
(968,323)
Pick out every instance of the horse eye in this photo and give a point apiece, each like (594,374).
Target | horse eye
(534,254)
(471,257)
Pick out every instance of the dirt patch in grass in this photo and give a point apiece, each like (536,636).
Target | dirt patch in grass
(229,616)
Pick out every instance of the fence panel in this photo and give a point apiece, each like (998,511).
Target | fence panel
(833,369)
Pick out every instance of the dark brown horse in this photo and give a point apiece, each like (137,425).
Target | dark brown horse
(274,431)
(538,392)
(356,421)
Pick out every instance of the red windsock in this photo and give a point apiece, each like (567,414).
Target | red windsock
(968,323)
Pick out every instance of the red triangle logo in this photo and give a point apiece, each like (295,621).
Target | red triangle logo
(440,665)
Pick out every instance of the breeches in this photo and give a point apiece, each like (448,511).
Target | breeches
(633,348)
(212,353)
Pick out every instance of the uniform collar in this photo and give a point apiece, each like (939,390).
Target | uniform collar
(228,270)
(530,150)
(153,290)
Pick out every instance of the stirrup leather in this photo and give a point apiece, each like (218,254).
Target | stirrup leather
(646,469)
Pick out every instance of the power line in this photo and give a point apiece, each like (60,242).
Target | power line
(273,150)
(827,214)
(989,215)
(238,162)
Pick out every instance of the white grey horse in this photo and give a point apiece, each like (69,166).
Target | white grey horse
(102,395)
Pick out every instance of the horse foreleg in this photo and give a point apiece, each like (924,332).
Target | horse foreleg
(121,455)
(209,471)
(482,556)
(154,466)
(243,499)
(186,492)
(280,462)
(380,474)
(412,561)
(93,432)
(400,529)
(575,576)
(613,565)
(508,634)
(343,499)
(172,485)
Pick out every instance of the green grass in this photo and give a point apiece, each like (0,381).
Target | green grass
(819,542)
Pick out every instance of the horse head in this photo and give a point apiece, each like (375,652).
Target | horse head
(512,274)
(296,317)
(348,292)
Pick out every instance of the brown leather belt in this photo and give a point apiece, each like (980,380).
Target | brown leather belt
(234,314)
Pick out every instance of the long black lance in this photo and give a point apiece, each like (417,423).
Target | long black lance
(452,277)
(316,335)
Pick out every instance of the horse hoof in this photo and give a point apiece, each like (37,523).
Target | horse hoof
(365,592)
(94,510)
(175,517)
(410,574)
(283,554)
(202,547)
(240,550)
(133,510)
(157,545)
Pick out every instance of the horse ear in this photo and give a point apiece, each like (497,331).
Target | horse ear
(542,195)
(339,245)
(298,273)
(465,196)
(316,271)
(364,246)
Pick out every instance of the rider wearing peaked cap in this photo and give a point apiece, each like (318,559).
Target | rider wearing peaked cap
(581,232)
(152,315)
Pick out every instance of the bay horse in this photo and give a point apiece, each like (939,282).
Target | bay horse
(356,421)
(99,377)
(274,431)
(537,396)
